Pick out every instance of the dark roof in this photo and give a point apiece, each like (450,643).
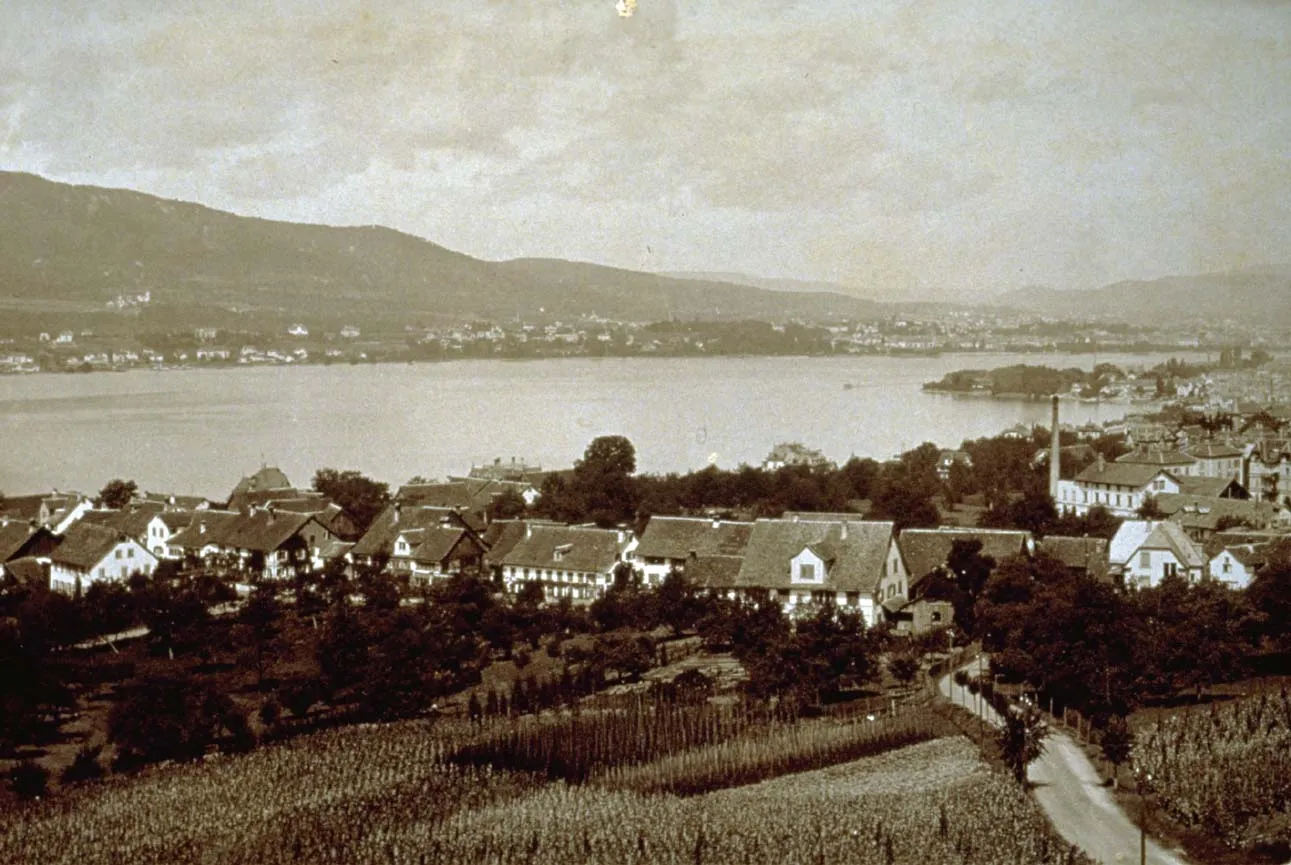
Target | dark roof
(206,527)
(714,572)
(1205,512)
(435,543)
(1085,554)
(27,572)
(1166,535)
(263,531)
(22,507)
(678,537)
(1156,456)
(1253,556)
(584,549)
(1228,488)
(183,503)
(926,550)
(459,494)
(84,545)
(1212,450)
(501,537)
(130,521)
(1122,474)
(15,537)
(379,539)
(176,520)
(855,553)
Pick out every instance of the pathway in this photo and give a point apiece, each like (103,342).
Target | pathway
(1069,789)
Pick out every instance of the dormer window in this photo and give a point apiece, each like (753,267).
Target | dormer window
(559,553)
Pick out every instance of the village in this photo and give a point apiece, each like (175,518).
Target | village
(1203,500)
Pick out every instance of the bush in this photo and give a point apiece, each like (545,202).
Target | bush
(522,658)
(85,766)
(299,694)
(271,712)
(29,780)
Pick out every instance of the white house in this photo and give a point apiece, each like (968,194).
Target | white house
(1144,552)
(1235,566)
(1118,487)
(88,553)
(164,526)
(852,564)
(568,561)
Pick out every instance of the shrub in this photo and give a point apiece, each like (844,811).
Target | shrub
(85,766)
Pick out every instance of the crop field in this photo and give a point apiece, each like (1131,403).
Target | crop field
(393,794)
(1226,769)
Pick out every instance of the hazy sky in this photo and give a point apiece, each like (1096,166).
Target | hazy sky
(960,147)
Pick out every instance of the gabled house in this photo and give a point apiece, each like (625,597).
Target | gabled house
(87,553)
(1266,470)
(1235,566)
(172,502)
(199,540)
(162,528)
(460,496)
(1144,552)
(377,545)
(268,478)
(1174,461)
(669,543)
(484,490)
(851,564)
(131,521)
(429,552)
(572,562)
(1215,488)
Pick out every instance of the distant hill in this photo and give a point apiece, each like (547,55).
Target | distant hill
(70,250)
(1244,296)
(873,294)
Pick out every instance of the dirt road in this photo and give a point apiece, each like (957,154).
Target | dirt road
(1072,794)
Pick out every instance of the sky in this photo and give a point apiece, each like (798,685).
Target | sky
(902,149)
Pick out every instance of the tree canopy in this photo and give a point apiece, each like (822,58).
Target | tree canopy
(360,496)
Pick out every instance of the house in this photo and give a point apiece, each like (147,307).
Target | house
(268,543)
(89,553)
(1266,470)
(927,550)
(482,491)
(1175,461)
(1235,566)
(162,528)
(377,545)
(1215,459)
(1118,487)
(1202,516)
(198,541)
(172,502)
(471,498)
(922,613)
(1144,552)
(425,553)
(1085,557)
(131,521)
(670,543)
(20,540)
(853,564)
(572,562)
(55,511)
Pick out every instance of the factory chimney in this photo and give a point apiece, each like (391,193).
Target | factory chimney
(1055,453)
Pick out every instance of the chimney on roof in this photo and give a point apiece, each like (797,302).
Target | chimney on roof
(398,508)
(842,533)
(1102,462)
(528,530)
(1055,452)
(201,528)
(717,523)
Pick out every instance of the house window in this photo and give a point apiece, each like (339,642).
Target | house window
(934,616)
(120,553)
(807,572)
(853,599)
(1170,569)
(1145,559)
(1228,566)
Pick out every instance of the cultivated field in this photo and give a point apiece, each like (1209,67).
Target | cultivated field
(389,794)
(1226,769)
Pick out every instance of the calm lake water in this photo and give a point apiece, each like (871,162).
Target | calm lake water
(198,431)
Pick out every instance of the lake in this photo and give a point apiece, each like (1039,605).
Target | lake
(200,430)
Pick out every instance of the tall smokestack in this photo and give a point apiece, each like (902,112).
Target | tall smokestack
(1055,452)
